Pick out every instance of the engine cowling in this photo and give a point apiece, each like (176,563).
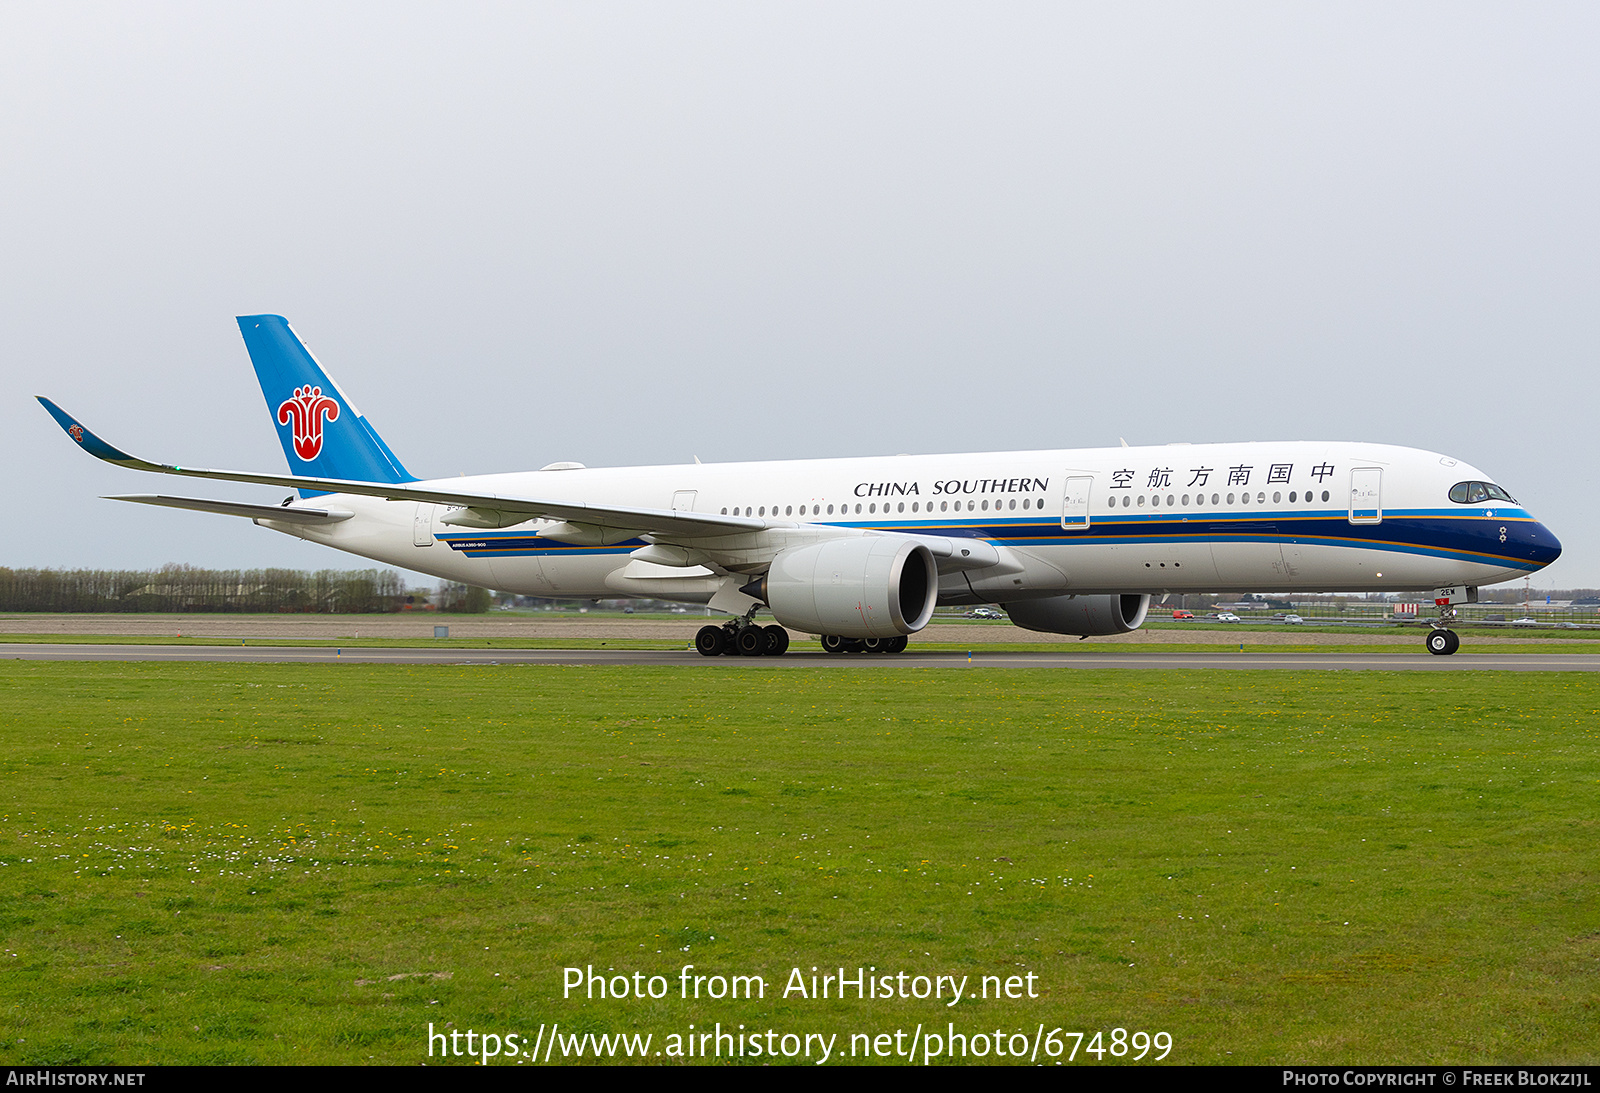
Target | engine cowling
(872,587)
(1082,615)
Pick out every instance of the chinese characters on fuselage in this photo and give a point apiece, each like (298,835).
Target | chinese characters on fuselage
(1161,477)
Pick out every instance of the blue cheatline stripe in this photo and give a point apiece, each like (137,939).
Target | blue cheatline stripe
(522,544)
(1429,533)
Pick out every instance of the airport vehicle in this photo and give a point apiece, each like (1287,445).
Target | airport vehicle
(1293,620)
(984,613)
(859,551)
(1228,616)
(1179,616)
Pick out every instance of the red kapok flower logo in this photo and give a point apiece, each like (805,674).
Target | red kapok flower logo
(75,431)
(307,409)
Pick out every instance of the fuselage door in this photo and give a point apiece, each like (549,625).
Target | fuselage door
(683,500)
(1366,495)
(1075,503)
(422,525)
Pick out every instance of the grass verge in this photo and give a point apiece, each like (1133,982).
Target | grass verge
(312,864)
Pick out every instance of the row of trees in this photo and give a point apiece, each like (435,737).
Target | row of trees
(185,588)
(465,599)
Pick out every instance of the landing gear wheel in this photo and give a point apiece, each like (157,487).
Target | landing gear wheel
(1442,641)
(833,643)
(752,641)
(711,641)
(874,645)
(777,640)
(897,645)
(855,645)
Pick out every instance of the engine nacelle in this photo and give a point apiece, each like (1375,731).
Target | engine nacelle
(1083,615)
(876,586)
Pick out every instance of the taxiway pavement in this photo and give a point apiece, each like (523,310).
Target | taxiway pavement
(1089,658)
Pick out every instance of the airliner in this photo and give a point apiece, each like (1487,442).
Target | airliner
(859,552)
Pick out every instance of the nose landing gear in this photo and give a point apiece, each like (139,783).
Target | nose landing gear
(1442,641)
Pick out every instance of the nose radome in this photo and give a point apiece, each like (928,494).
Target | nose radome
(1538,544)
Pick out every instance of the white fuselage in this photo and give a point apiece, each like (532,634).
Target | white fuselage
(1269,516)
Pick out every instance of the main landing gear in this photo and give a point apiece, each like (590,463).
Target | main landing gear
(741,638)
(832,643)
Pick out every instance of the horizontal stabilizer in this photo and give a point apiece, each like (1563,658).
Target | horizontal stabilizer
(281,513)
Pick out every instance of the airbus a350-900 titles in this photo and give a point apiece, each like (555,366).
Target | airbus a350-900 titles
(860,551)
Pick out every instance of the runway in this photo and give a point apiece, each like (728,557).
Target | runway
(1088,658)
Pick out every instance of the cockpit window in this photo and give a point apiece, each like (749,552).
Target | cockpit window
(1475,493)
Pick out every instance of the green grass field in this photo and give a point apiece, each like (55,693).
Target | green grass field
(311,864)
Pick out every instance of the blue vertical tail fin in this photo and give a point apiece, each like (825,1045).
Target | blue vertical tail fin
(322,432)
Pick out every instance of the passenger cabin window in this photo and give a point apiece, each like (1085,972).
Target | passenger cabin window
(1475,493)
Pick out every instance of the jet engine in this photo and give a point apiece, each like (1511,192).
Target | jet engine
(876,586)
(1083,615)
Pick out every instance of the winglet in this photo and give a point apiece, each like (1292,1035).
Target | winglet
(88,441)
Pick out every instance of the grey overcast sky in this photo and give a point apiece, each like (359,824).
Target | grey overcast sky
(636,233)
